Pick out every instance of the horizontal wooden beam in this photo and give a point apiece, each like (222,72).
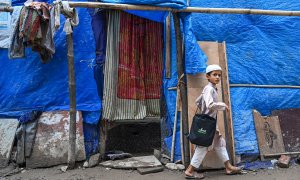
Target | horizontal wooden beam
(188,9)
(6,9)
(240,11)
(278,154)
(264,86)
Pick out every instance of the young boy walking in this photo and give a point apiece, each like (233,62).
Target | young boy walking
(208,104)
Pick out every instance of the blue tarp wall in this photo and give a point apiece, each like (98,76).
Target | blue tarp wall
(260,50)
(27,84)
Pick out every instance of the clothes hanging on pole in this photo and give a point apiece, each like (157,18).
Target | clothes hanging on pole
(34,28)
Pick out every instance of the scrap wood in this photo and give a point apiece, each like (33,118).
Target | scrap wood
(268,134)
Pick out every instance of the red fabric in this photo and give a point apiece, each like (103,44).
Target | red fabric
(140,58)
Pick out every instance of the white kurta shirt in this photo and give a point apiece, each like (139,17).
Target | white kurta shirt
(208,102)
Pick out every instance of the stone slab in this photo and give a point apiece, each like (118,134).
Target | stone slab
(52,140)
(143,171)
(8,129)
(133,163)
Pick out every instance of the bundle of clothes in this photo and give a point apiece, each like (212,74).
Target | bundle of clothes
(34,27)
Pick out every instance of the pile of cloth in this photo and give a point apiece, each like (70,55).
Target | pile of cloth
(35,28)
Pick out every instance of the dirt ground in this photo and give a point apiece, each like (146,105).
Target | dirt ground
(292,173)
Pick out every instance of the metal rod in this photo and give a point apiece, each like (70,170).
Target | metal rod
(264,86)
(72,94)
(183,91)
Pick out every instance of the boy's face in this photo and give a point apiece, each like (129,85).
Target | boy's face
(214,77)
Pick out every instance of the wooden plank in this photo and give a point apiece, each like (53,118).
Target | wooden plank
(180,63)
(226,98)
(286,153)
(289,120)
(268,134)
(168,47)
(195,84)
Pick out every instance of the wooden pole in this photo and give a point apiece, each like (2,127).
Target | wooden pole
(278,154)
(240,11)
(168,47)
(264,86)
(72,94)
(183,91)
(174,127)
(226,97)
(188,9)
(6,9)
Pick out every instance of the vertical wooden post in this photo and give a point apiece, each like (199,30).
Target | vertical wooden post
(168,47)
(183,91)
(226,97)
(72,94)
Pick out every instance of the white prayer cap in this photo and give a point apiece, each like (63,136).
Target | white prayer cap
(213,67)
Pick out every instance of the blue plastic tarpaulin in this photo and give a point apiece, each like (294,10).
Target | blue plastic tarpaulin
(179,4)
(260,50)
(27,84)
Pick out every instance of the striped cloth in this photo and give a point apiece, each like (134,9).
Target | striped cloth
(133,68)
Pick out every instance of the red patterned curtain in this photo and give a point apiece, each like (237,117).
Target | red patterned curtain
(140,58)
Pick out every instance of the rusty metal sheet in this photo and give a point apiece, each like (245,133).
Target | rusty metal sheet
(52,140)
(8,129)
(289,120)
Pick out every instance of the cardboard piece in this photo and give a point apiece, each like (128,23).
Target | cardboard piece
(195,85)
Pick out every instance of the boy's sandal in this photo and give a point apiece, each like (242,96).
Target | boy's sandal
(236,171)
(195,176)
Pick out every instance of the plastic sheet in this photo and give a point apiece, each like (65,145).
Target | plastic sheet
(163,3)
(260,50)
(27,84)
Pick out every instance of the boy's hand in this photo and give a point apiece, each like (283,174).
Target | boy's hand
(227,108)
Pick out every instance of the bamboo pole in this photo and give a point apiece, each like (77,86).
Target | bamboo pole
(188,9)
(264,86)
(168,47)
(72,94)
(183,91)
(6,9)
(240,11)
(174,127)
